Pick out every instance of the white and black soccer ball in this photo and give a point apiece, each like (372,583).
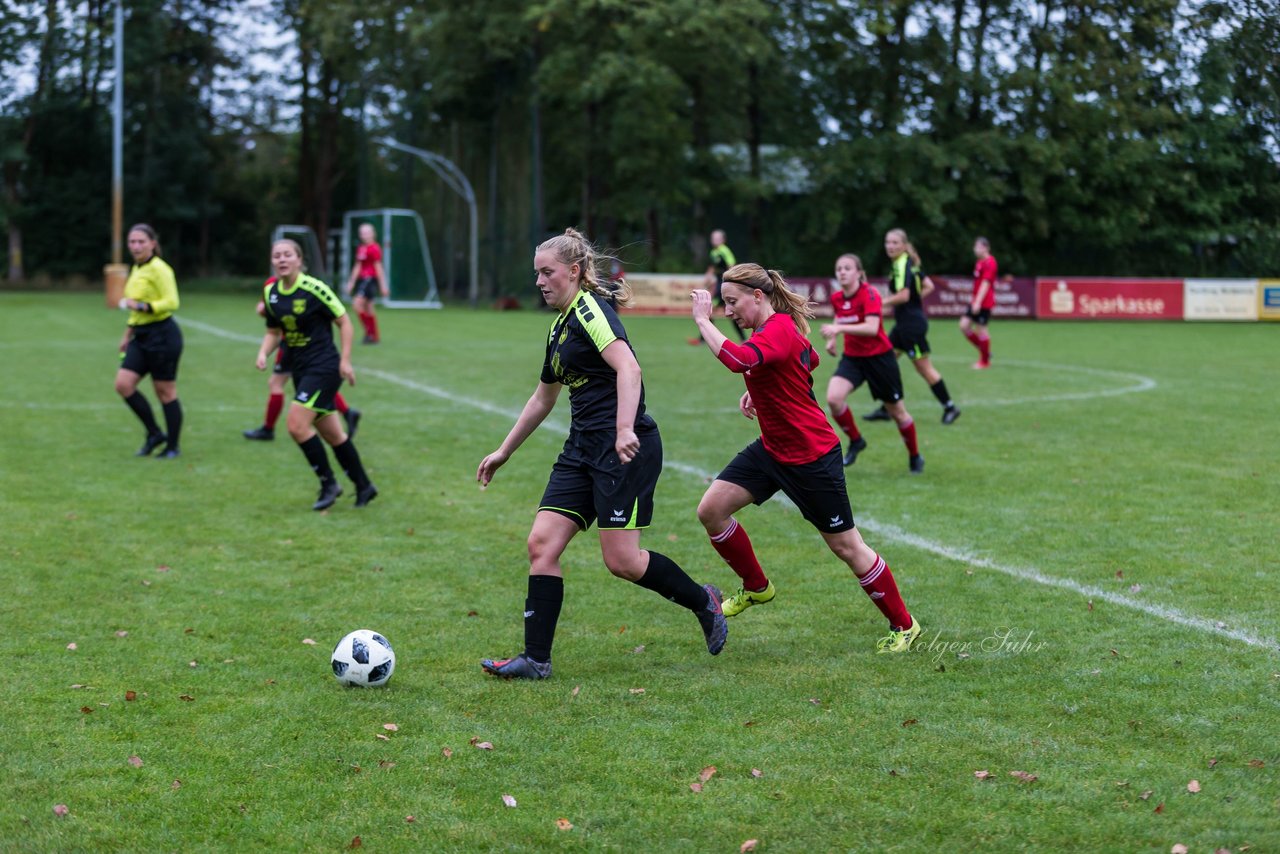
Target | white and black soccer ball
(363,659)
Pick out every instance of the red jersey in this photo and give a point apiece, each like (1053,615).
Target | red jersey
(863,303)
(367,256)
(985,271)
(778,362)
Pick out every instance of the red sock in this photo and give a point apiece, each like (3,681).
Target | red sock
(275,405)
(984,346)
(734,546)
(364,321)
(909,437)
(974,340)
(845,420)
(883,590)
(341,403)
(373,327)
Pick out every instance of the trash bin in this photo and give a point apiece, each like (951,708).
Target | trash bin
(115,276)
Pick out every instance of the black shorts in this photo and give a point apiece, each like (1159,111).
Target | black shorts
(284,361)
(367,288)
(912,341)
(316,390)
(981,317)
(817,488)
(879,372)
(154,348)
(589,484)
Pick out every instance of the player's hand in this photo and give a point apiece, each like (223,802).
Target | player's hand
(746,407)
(627,445)
(701,304)
(831,346)
(261,362)
(261,309)
(828,330)
(489,466)
(348,372)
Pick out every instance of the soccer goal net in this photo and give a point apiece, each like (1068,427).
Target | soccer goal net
(406,257)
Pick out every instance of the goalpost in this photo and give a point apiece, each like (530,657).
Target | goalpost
(406,256)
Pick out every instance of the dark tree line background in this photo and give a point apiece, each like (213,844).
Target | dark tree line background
(1128,137)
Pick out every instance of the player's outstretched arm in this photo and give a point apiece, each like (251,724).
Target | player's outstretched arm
(713,337)
(535,411)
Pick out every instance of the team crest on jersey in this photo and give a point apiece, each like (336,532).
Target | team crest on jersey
(299,306)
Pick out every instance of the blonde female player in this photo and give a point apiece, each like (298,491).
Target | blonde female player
(868,357)
(797,452)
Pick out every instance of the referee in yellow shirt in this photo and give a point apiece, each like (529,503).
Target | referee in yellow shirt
(152,341)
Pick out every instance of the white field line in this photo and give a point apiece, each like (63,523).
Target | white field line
(884,529)
(1137,383)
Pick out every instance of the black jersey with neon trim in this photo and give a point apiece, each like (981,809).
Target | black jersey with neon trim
(306,313)
(574,347)
(910,314)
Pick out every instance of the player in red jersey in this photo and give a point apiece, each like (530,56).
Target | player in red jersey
(281,371)
(797,451)
(868,357)
(981,303)
(367,281)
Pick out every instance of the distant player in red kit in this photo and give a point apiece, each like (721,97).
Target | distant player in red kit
(367,281)
(797,452)
(976,319)
(868,357)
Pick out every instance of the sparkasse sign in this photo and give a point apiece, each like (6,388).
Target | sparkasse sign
(1064,298)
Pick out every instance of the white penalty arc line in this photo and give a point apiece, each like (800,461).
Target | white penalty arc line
(887,530)
(1138,384)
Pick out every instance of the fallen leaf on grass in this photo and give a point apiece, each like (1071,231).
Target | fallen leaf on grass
(576,689)
(135,761)
(146,583)
(1159,808)
(1145,795)
(749,845)
(193,663)
(637,690)
(88,710)
(622,628)
(1178,849)
(982,775)
(1256,763)
(473,613)
(963,655)
(446,752)
(1135,588)
(815,701)
(749,723)
(756,772)
(564,824)
(1212,762)
(355,842)
(188,631)
(1119,573)
(482,745)
(409,819)
(695,787)
(382,737)
(162,568)
(1122,784)
(60,809)
(130,696)
(186,697)
(1090,604)
(309,641)
(910,722)
(176,785)
(1193,786)
(508,800)
(391,727)
(1024,776)
(706,773)
(122,634)
(71,646)
(638,649)
(383,763)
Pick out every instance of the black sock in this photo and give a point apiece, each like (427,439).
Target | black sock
(313,450)
(541,612)
(173,422)
(349,458)
(939,390)
(142,409)
(665,577)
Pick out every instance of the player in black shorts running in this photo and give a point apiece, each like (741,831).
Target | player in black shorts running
(609,467)
(908,285)
(302,311)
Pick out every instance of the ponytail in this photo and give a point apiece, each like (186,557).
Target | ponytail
(573,248)
(911,250)
(772,285)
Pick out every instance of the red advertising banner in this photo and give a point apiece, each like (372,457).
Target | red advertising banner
(1109,299)
(1015,297)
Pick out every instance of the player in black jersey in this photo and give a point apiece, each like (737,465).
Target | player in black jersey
(302,311)
(908,286)
(609,467)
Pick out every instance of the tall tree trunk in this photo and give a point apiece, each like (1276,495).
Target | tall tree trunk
(978,87)
(701,147)
(13,168)
(492,239)
(754,134)
(591,119)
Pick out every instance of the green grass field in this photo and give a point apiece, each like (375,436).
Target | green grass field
(1108,503)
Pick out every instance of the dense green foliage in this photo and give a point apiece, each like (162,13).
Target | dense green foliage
(201,578)
(1111,136)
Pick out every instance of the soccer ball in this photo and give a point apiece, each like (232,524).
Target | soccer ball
(363,659)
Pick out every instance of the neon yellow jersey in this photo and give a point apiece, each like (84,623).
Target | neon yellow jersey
(152,282)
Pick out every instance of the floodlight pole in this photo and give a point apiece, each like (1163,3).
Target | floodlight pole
(117,139)
(456,181)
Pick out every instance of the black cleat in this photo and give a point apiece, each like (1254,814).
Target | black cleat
(169,454)
(352,417)
(260,434)
(855,447)
(711,618)
(917,464)
(520,667)
(950,414)
(880,414)
(154,441)
(329,492)
(365,495)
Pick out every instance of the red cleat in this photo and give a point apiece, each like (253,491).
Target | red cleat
(981,366)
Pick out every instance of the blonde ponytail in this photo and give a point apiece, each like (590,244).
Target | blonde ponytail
(573,248)
(772,285)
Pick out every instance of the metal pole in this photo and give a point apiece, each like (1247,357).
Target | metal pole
(117,141)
